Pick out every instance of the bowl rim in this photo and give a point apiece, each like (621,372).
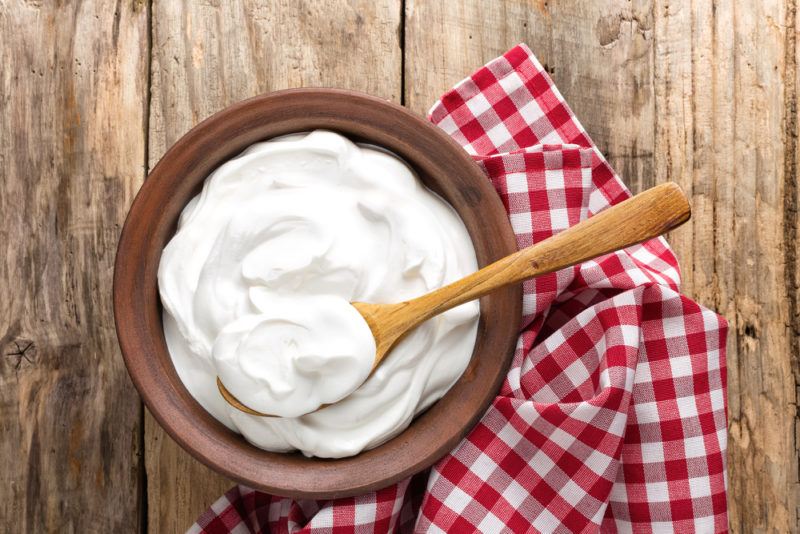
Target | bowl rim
(142,342)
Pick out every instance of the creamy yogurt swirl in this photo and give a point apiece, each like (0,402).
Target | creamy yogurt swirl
(257,281)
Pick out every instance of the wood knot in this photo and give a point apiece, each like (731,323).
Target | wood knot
(20,351)
(750,330)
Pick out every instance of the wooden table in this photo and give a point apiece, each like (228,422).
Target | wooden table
(92,93)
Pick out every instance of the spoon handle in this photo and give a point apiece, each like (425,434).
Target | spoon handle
(644,216)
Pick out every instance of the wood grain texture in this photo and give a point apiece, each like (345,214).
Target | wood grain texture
(599,53)
(704,94)
(72,146)
(700,92)
(208,55)
(726,130)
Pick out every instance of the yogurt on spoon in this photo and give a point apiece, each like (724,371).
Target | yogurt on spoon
(257,283)
(295,355)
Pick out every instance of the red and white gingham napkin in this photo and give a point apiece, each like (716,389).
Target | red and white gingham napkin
(613,415)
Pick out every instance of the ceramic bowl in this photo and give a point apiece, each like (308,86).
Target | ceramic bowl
(440,163)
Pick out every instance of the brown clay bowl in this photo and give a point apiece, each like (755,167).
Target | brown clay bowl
(441,164)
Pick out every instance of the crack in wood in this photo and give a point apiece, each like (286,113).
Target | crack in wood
(21,352)
(790,217)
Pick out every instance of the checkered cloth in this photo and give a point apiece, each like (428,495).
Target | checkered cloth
(613,415)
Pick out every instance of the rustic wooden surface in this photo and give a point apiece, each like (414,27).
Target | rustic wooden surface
(703,93)
(72,151)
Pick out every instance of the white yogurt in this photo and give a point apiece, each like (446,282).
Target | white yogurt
(257,281)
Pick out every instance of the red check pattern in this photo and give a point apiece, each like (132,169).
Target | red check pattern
(613,415)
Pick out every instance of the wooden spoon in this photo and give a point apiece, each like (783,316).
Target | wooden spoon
(644,216)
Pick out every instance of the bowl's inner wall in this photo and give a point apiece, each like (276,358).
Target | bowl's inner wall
(179,176)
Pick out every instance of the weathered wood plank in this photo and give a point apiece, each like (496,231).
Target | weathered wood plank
(211,54)
(72,150)
(600,55)
(725,89)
